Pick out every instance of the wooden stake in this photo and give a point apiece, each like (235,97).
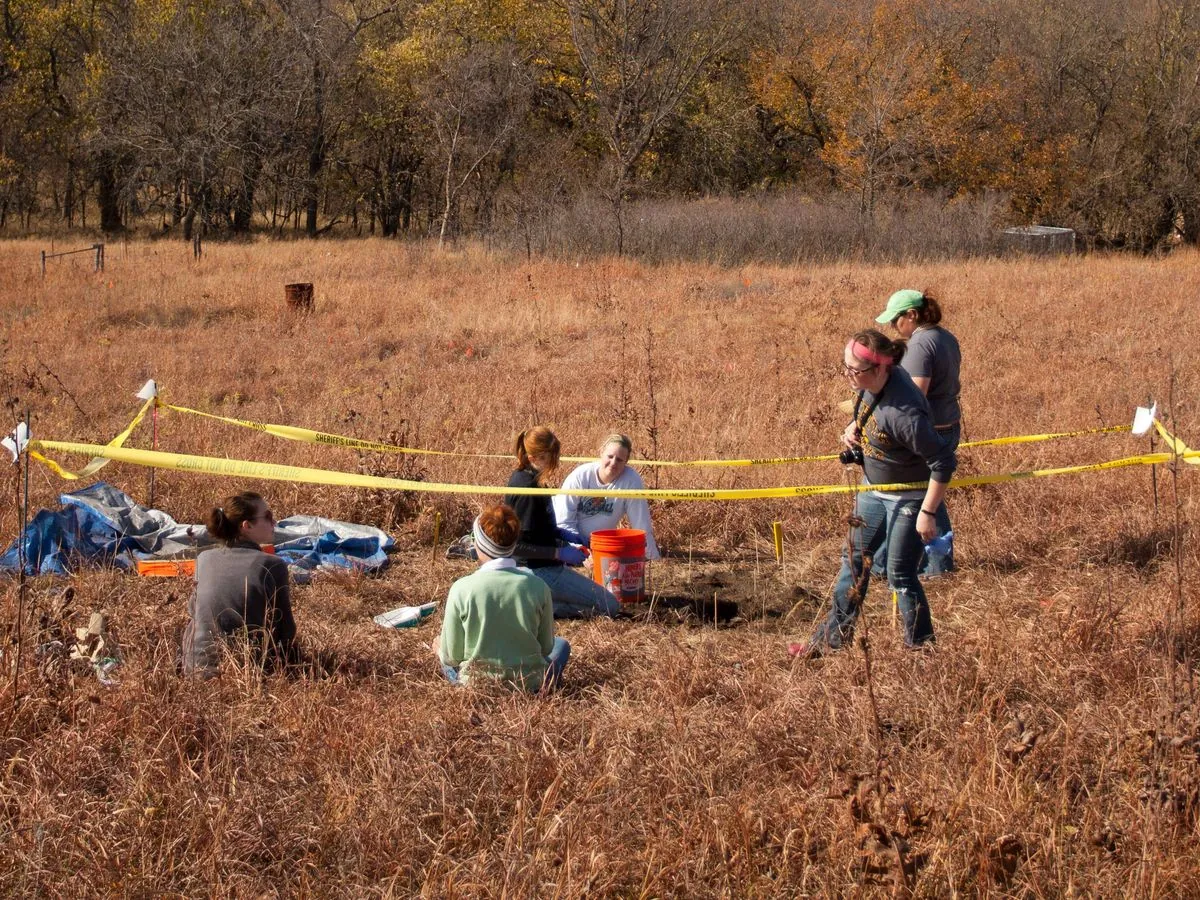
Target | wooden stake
(153,446)
(1153,469)
(22,560)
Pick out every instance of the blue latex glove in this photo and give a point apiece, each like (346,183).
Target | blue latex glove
(571,555)
(942,544)
(571,536)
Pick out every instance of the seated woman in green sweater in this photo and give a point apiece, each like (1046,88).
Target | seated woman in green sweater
(499,620)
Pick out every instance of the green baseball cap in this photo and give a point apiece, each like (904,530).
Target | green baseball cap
(901,302)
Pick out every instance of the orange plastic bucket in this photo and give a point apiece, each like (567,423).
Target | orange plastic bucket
(619,562)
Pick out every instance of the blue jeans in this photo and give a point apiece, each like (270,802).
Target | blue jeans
(893,522)
(560,655)
(575,595)
(934,563)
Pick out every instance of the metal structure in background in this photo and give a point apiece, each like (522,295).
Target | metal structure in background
(1043,240)
(97,249)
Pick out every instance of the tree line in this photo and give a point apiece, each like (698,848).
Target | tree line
(447,117)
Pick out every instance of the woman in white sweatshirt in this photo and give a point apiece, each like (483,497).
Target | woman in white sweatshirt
(580,516)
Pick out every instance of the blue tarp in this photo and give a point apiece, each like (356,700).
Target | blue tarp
(101,526)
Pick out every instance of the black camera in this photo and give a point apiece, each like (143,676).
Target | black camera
(851,456)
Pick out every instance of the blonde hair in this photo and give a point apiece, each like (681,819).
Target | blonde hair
(617,438)
(540,442)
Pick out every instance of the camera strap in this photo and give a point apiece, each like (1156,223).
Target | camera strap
(861,424)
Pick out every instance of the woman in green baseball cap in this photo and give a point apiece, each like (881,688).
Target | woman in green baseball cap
(933,360)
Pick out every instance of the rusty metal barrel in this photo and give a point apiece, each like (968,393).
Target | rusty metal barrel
(299,296)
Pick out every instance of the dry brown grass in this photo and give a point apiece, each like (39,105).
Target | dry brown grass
(1049,745)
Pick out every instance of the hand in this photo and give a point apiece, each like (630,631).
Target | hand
(571,536)
(571,555)
(850,437)
(926,526)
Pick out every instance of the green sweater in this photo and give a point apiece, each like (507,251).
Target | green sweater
(499,623)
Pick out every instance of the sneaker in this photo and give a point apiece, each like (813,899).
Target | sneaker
(463,548)
(806,650)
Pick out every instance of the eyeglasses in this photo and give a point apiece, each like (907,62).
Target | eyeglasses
(268,516)
(850,371)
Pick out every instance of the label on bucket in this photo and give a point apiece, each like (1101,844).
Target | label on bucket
(625,578)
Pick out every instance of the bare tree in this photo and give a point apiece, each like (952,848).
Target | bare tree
(476,101)
(328,32)
(640,59)
(191,104)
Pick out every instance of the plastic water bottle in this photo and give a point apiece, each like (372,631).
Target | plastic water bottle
(405,616)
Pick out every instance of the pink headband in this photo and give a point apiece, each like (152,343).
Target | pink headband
(862,351)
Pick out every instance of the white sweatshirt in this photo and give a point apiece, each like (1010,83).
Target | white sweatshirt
(588,514)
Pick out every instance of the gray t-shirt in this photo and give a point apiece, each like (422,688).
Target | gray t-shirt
(933,353)
(238,589)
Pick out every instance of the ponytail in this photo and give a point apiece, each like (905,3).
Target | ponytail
(522,455)
(225,524)
(538,442)
(220,527)
(929,312)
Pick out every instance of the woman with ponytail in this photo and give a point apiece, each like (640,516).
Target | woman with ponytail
(893,431)
(239,590)
(541,548)
(933,359)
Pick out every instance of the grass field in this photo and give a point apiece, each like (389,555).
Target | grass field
(1050,745)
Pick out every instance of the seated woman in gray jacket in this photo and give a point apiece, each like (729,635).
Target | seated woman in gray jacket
(240,590)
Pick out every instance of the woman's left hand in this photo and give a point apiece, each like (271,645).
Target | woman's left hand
(926,526)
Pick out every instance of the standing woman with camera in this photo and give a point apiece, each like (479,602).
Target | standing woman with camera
(893,429)
(933,360)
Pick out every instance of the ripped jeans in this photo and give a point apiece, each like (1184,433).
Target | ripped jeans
(935,562)
(894,523)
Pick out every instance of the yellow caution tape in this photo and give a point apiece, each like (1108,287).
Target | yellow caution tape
(292,433)
(270,471)
(1033,438)
(1185,453)
(100,462)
